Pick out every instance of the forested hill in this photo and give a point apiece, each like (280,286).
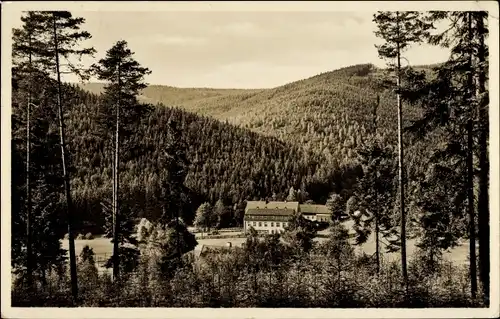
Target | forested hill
(225,162)
(249,144)
(330,113)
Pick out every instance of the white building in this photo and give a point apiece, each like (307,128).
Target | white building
(273,217)
(319,213)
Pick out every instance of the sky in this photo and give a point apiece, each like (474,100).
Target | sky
(231,49)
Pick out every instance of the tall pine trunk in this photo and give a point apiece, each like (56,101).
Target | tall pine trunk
(29,252)
(69,204)
(116,228)
(483,197)
(470,169)
(377,228)
(404,270)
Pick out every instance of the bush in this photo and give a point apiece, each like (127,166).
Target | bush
(261,275)
(80,237)
(89,236)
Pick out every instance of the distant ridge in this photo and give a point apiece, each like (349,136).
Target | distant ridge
(330,112)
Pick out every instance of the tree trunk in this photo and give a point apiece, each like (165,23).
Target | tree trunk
(116,229)
(401,164)
(483,197)
(377,230)
(470,173)
(29,252)
(377,243)
(69,204)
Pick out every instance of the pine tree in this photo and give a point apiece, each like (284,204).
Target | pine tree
(374,197)
(172,161)
(483,120)
(66,35)
(173,240)
(219,212)
(45,180)
(299,235)
(56,35)
(338,207)
(125,79)
(292,195)
(23,47)
(457,103)
(470,159)
(400,30)
(174,195)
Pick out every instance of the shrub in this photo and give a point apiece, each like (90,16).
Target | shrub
(89,236)
(80,237)
(87,272)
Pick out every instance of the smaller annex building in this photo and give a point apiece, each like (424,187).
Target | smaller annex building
(319,213)
(273,217)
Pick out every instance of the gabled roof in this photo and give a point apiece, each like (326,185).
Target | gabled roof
(283,205)
(270,212)
(272,205)
(314,209)
(255,204)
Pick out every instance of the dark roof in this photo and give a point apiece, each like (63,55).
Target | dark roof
(314,209)
(270,212)
(255,204)
(272,205)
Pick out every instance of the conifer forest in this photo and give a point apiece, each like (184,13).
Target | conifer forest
(128,194)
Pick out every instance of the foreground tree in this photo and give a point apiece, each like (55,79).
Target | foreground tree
(57,35)
(482,96)
(457,104)
(399,30)
(299,235)
(125,79)
(371,207)
(24,43)
(170,242)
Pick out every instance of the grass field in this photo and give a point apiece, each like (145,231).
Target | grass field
(103,247)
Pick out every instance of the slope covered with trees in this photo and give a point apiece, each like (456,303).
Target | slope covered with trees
(225,162)
(330,113)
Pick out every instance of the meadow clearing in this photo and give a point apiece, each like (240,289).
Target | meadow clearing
(103,247)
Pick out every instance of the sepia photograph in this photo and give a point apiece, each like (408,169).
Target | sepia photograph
(313,159)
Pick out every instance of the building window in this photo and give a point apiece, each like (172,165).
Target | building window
(278,224)
(272,224)
(265,224)
(260,223)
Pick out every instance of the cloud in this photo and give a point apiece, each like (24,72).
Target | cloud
(244,28)
(175,40)
(243,49)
